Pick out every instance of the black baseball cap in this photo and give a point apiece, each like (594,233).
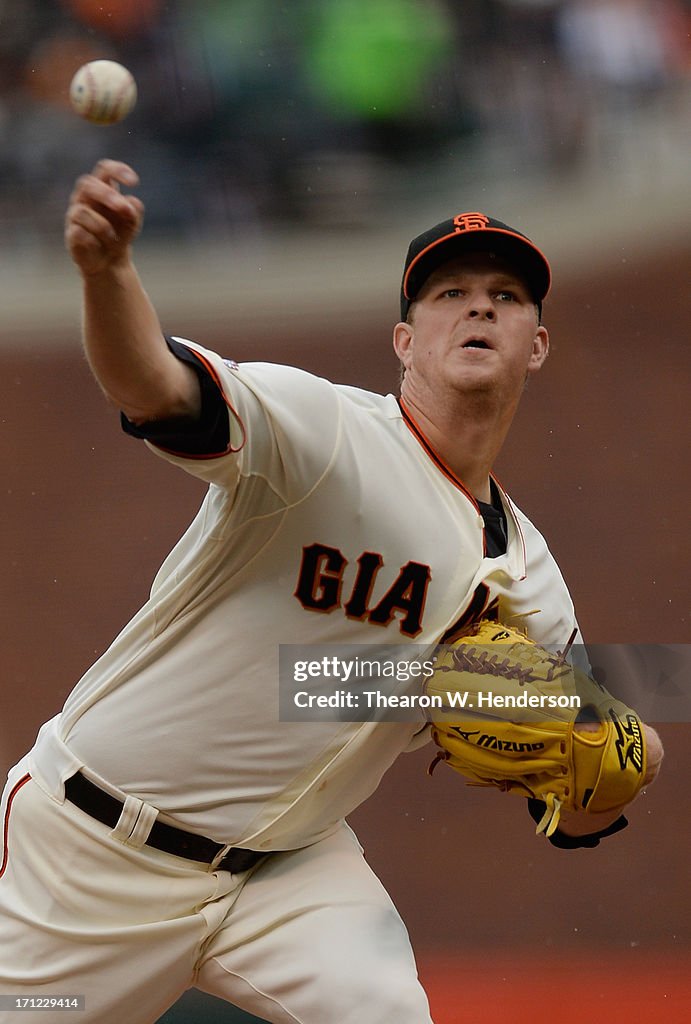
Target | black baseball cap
(472,232)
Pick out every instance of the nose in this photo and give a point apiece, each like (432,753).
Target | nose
(481,307)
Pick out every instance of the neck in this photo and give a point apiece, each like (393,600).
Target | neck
(467,437)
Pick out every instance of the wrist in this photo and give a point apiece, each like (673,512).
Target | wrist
(582,823)
(113,271)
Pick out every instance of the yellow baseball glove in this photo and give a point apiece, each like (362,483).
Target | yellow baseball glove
(523,719)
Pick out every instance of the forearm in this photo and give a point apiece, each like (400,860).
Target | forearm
(123,340)
(126,350)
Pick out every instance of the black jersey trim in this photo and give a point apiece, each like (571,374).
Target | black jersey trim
(207,437)
(496,526)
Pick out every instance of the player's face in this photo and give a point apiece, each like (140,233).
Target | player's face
(474,327)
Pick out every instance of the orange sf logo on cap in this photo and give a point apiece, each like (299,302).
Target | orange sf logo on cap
(470,221)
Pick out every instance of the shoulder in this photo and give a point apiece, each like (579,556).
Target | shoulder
(260,373)
(369,403)
(275,382)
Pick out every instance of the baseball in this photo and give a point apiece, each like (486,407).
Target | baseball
(103,92)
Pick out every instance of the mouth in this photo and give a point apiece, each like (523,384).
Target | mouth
(478,343)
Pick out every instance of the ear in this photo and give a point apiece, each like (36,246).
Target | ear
(403,341)
(540,350)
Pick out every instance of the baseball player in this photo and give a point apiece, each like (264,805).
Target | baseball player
(167,829)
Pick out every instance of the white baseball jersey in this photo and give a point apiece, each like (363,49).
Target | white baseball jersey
(329,521)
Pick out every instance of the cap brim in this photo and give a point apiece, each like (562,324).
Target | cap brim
(517,250)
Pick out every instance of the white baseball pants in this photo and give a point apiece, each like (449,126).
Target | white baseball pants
(306,937)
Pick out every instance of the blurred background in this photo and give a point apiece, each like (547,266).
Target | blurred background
(287,154)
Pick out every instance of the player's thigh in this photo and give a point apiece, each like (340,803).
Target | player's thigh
(82,915)
(315,938)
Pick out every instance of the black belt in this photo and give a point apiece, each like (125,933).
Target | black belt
(107,809)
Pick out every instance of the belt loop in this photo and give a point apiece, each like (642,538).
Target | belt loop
(219,857)
(135,822)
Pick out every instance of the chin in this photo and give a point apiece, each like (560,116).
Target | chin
(475,382)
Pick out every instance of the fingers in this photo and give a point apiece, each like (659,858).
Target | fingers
(101,190)
(101,222)
(654,752)
(86,220)
(116,170)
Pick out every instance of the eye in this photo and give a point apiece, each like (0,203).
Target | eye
(453,293)
(506,296)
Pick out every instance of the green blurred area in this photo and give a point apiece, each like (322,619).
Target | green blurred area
(375,58)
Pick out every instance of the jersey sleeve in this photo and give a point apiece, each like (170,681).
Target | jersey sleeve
(259,420)
(209,435)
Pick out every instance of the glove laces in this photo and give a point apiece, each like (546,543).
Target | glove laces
(550,819)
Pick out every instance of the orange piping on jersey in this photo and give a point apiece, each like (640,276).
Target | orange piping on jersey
(441,465)
(210,369)
(6,827)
